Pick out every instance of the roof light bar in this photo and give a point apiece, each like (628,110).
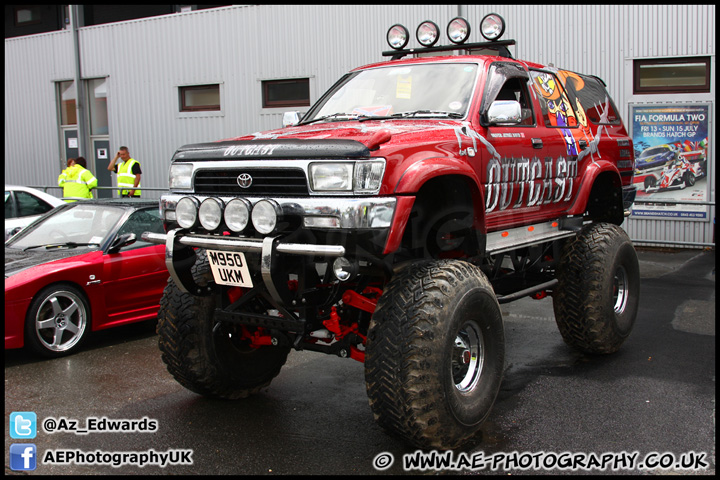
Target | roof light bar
(458,30)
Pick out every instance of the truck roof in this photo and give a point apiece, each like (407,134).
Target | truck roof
(479,59)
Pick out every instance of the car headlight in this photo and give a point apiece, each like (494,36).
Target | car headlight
(492,27)
(265,216)
(458,30)
(336,177)
(397,37)
(186,212)
(363,176)
(180,176)
(427,33)
(210,213)
(237,214)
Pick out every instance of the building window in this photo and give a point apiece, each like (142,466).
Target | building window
(672,75)
(293,92)
(27,15)
(200,98)
(97,101)
(68,112)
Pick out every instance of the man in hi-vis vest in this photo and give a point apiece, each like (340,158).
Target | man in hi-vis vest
(128,173)
(77,181)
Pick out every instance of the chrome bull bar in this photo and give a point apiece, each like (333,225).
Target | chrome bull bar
(179,261)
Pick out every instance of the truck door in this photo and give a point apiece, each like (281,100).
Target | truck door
(530,176)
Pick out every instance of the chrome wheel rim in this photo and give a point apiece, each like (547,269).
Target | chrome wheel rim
(621,290)
(468,357)
(60,321)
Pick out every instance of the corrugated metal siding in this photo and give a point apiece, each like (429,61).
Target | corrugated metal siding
(32,64)
(146,61)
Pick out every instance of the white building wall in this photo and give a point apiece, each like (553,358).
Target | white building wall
(146,60)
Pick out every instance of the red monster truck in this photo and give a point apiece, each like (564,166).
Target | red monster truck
(390,222)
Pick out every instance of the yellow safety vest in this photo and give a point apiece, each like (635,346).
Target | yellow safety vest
(126,178)
(77,183)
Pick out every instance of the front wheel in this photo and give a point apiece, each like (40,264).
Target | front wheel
(435,353)
(596,300)
(209,359)
(57,321)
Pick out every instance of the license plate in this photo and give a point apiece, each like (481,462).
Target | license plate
(229,268)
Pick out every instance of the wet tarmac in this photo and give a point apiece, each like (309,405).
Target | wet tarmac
(655,399)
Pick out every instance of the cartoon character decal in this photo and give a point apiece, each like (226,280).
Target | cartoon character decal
(559,112)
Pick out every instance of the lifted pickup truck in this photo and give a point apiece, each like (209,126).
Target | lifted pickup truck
(388,224)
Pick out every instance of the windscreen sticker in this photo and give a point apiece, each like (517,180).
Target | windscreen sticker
(404,87)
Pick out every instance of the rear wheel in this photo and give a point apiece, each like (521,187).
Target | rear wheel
(209,360)
(689,178)
(596,300)
(650,182)
(435,353)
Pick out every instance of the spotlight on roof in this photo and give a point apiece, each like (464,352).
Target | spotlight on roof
(492,27)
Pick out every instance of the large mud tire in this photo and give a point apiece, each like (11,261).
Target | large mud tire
(435,353)
(596,299)
(210,361)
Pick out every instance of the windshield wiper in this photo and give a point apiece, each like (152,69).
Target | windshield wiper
(337,116)
(58,245)
(432,113)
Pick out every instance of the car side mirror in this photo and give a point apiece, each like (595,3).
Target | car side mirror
(11,232)
(504,112)
(291,119)
(122,241)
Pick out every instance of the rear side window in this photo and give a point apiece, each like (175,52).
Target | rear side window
(590,93)
(554,103)
(31,205)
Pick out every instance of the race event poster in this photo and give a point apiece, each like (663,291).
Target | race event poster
(671,159)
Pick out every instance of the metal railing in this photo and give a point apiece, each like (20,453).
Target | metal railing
(45,188)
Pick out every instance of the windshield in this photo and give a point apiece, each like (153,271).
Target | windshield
(79,224)
(428,90)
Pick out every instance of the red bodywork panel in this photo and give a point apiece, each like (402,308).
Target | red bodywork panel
(519,174)
(128,289)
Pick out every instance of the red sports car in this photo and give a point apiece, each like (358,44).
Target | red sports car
(81,267)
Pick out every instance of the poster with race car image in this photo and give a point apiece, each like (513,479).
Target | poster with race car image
(671,160)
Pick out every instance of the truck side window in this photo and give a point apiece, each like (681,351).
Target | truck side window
(588,93)
(556,108)
(508,82)
(516,89)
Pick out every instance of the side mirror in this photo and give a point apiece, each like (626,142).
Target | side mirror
(122,241)
(290,119)
(11,232)
(504,112)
